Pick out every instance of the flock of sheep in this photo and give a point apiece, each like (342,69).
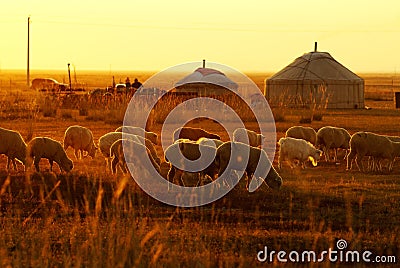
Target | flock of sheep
(299,145)
(304,143)
(188,142)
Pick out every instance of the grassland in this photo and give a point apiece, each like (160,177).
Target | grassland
(89,218)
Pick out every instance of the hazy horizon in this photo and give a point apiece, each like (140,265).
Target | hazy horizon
(250,36)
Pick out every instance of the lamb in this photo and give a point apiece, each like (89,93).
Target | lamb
(138,151)
(332,138)
(248,136)
(43,147)
(140,132)
(106,141)
(301,132)
(374,145)
(191,151)
(193,134)
(81,140)
(231,155)
(13,146)
(297,149)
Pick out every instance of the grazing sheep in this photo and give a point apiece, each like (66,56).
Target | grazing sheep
(248,136)
(231,155)
(13,146)
(209,142)
(42,147)
(370,144)
(193,134)
(139,131)
(108,139)
(191,151)
(297,149)
(300,132)
(81,140)
(332,138)
(138,153)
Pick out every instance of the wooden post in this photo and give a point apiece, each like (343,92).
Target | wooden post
(69,78)
(204,63)
(315,46)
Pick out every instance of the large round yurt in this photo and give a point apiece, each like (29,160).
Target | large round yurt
(315,78)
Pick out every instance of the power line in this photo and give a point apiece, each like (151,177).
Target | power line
(249,28)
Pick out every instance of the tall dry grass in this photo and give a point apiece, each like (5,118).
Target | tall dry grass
(94,220)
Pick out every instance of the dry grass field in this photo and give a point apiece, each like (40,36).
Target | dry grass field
(90,218)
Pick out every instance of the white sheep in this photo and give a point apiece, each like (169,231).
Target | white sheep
(81,140)
(135,151)
(43,147)
(231,156)
(106,141)
(138,131)
(193,134)
(248,136)
(191,151)
(301,132)
(209,142)
(374,145)
(291,149)
(329,137)
(13,146)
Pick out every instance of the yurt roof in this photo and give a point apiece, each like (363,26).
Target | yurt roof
(315,66)
(207,76)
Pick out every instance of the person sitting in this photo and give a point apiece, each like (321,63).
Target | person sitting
(136,84)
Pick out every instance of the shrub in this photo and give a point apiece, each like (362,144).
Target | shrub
(305,120)
(83,111)
(318,117)
(66,115)
(279,115)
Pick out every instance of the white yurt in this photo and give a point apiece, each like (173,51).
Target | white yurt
(206,81)
(315,77)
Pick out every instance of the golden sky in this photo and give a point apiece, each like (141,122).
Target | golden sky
(247,35)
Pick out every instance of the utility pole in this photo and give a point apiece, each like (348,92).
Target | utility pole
(27,67)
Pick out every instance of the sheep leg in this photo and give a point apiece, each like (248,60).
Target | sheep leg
(280,160)
(76,152)
(14,165)
(370,163)
(249,177)
(346,152)
(114,163)
(303,165)
(335,159)
(234,177)
(350,158)
(326,152)
(171,174)
(108,164)
(51,164)
(200,180)
(359,162)
(8,163)
(124,167)
(36,163)
(180,177)
(391,163)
